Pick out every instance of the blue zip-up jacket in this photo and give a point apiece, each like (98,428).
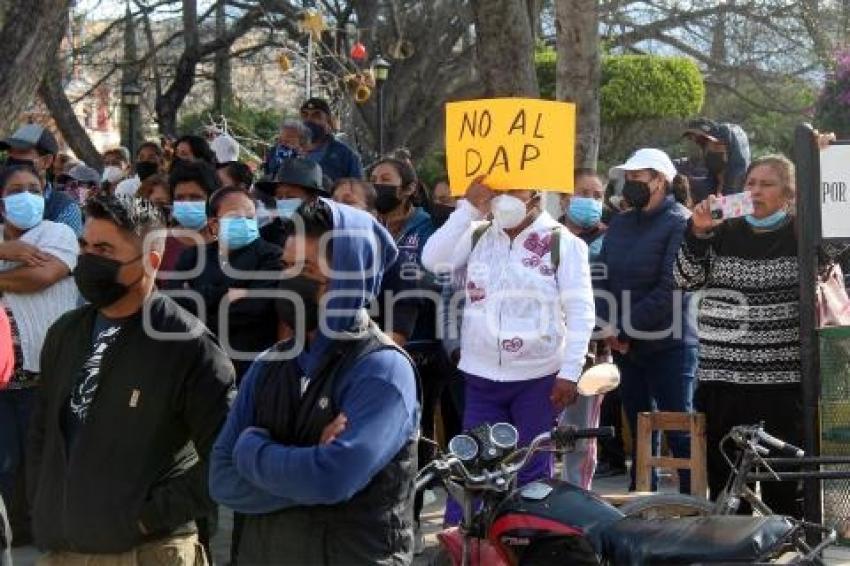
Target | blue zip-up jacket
(638,255)
(414,317)
(252,474)
(337,160)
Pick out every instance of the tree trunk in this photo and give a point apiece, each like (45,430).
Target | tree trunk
(505,48)
(169,102)
(223,86)
(31,32)
(577,71)
(130,76)
(53,95)
(534,9)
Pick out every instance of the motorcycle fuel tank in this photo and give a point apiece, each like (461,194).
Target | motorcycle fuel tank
(550,508)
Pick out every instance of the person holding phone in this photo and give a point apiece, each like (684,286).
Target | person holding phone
(749,327)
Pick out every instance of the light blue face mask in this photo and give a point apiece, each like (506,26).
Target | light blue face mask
(585,211)
(237,232)
(264,215)
(24,210)
(767,222)
(190,214)
(286,207)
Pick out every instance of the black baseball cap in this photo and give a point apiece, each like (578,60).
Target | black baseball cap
(316,104)
(301,173)
(705,129)
(31,136)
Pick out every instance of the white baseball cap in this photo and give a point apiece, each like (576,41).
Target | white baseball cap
(226,149)
(646,158)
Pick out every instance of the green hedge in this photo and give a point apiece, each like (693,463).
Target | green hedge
(637,87)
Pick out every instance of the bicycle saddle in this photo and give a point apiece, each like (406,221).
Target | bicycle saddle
(633,541)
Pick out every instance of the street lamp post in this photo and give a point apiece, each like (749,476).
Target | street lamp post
(131,96)
(381,69)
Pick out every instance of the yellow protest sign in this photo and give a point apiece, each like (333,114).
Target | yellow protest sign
(515,143)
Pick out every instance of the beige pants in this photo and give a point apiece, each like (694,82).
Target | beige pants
(175,551)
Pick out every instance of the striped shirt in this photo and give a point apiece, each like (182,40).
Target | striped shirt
(749,323)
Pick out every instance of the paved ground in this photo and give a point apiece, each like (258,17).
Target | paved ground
(432,517)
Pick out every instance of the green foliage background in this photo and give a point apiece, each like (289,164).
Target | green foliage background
(637,87)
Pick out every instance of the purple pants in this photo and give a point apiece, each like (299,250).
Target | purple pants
(524,404)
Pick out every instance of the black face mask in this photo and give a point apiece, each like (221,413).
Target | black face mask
(715,162)
(145,169)
(440,213)
(97,279)
(387,198)
(636,194)
(308,290)
(178,161)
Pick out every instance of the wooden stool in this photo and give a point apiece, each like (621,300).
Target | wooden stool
(646,461)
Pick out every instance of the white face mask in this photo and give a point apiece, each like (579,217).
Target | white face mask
(508,211)
(112,174)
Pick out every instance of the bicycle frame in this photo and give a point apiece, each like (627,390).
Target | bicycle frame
(737,489)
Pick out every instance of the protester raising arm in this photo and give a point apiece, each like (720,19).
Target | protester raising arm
(449,247)
(694,261)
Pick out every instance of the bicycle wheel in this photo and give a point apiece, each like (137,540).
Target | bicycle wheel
(668,505)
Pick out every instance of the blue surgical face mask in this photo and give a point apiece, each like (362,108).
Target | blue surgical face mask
(236,232)
(24,210)
(190,214)
(767,222)
(584,211)
(264,215)
(286,207)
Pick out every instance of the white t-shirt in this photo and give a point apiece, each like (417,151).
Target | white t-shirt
(129,186)
(35,312)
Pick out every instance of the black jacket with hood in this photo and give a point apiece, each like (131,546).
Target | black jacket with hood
(141,456)
(737,161)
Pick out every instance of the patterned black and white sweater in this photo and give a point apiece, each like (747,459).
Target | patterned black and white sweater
(749,325)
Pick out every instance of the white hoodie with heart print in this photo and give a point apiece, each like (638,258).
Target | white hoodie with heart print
(522,320)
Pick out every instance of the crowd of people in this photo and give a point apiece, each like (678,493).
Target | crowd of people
(187,333)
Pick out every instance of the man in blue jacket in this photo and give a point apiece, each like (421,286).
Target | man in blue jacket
(338,161)
(725,150)
(319,450)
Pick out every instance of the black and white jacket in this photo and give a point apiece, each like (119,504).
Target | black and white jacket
(749,324)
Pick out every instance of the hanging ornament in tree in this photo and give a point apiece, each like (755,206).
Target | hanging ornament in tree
(313,23)
(284,63)
(358,52)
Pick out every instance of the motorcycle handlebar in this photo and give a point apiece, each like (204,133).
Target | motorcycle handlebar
(566,434)
(559,435)
(780,445)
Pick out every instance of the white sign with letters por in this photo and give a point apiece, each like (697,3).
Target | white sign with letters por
(835,191)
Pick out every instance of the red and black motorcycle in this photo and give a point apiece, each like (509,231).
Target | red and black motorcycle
(551,522)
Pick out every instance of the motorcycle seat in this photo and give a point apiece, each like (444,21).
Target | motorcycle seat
(634,541)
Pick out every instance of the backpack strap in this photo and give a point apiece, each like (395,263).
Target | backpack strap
(477,233)
(555,249)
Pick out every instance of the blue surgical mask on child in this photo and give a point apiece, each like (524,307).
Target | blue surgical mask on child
(24,210)
(236,232)
(190,214)
(584,211)
(767,222)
